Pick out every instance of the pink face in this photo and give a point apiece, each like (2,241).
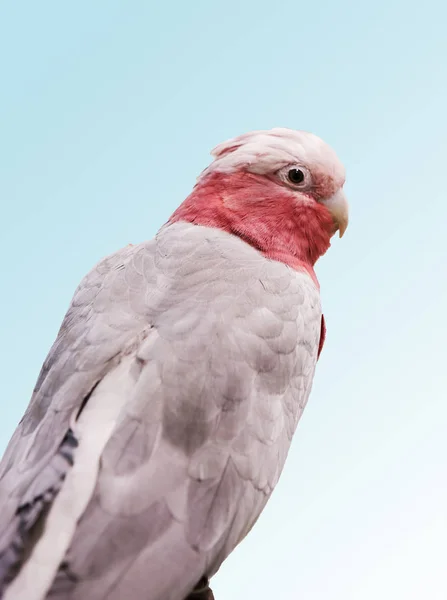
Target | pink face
(278,195)
(296,161)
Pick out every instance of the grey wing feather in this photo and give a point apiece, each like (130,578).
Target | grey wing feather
(219,383)
(226,377)
(88,345)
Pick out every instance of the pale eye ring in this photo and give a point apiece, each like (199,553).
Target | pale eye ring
(295,176)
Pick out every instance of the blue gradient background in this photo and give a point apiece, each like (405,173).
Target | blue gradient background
(108,111)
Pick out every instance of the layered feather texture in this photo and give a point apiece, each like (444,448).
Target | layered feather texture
(216,347)
(164,412)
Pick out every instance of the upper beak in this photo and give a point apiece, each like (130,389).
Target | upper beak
(339,209)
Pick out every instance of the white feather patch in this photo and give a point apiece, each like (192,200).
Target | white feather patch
(93,429)
(265,152)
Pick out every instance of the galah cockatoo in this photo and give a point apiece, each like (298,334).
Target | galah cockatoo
(164,412)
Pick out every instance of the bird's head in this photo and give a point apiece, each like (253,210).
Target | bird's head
(279,190)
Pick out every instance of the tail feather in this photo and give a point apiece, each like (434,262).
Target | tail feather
(28,519)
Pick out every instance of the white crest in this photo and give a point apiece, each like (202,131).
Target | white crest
(268,151)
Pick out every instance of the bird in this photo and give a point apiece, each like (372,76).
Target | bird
(163,414)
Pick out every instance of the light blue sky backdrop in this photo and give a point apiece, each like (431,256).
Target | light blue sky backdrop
(108,111)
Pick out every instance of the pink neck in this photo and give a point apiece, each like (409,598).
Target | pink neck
(263,214)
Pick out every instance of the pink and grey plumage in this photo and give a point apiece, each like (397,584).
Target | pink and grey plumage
(163,414)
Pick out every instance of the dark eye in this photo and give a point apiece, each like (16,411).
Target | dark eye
(295,176)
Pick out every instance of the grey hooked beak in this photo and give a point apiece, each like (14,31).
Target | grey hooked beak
(339,209)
